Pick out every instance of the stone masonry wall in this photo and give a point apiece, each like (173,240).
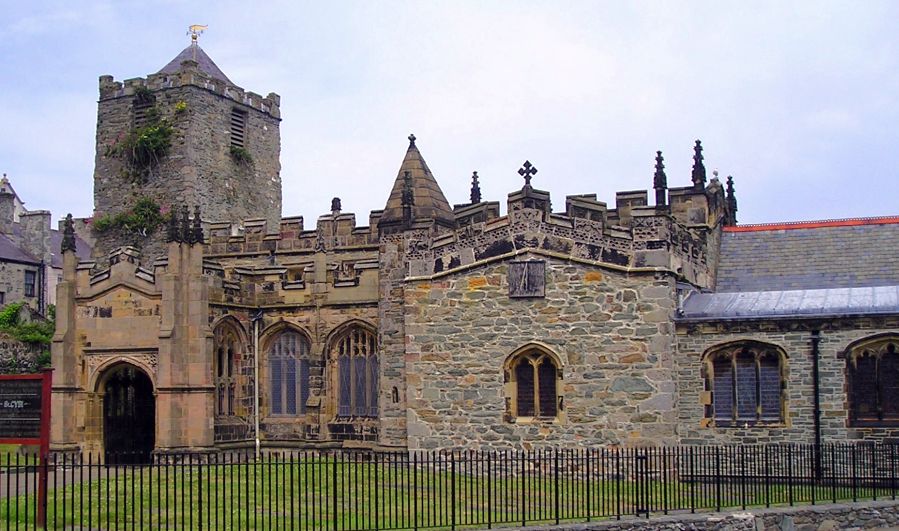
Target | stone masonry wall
(793,336)
(12,282)
(611,331)
(829,517)
(197,170)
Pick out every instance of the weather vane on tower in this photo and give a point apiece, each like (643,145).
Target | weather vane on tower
(195,30)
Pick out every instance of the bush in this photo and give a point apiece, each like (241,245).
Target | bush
(9,315)
(144,146)
(241,155)
(34,332)
(143,218)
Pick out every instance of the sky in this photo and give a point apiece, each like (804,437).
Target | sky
(799,101)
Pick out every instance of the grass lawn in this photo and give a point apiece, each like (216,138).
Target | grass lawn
(321,493)
(11,456)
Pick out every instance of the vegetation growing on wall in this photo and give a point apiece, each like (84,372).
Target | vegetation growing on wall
(37,333)
(143,218)
(144,146)
(241,155)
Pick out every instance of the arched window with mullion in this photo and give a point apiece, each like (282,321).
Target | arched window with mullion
(873,382)
(288,359)
(535,377)
(357,374)
(228,353)
(746,383)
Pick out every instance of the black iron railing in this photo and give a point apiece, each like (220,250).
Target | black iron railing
(343,491)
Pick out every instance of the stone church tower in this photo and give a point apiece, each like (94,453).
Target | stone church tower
(184,135)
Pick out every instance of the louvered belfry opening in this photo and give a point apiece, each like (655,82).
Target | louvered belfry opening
(143,108)
(238,128)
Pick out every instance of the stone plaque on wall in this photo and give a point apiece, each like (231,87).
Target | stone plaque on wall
(527,279)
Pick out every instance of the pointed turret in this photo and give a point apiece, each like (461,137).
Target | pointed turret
(475,189)
(660,180)
(699,177)
(730,216)
(194,53)
(426,202)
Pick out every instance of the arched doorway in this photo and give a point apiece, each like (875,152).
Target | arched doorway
(129,416)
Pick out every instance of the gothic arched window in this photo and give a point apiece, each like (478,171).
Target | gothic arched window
(873,381)
(534,375)
(746,384)
(228,355)
(288,367)
(356,354)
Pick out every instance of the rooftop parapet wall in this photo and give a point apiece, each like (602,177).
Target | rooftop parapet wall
(651,237)
(111,89)
(332,232)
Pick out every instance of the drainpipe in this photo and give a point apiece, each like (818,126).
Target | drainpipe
(256,318)
(42,290)
(816,354)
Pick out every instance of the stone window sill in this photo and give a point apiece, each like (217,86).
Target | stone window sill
(748,423)
(536,420)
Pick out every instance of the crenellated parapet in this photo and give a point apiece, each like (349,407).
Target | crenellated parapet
(333,232)
(190,75)
(673,236)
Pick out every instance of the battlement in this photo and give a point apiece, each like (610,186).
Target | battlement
(632,236)
(334,231)
(190,76)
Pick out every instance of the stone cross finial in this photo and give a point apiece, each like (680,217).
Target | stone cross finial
(185,225)
(660,180)
(527,171)
(411,140)
(173,234)
(196,233)
(335,206)
(68,234)
(698,167)
(730,218)
(475,188)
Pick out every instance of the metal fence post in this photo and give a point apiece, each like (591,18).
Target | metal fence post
(718,478)
(452,490)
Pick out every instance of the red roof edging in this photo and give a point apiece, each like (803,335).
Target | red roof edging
(791,225)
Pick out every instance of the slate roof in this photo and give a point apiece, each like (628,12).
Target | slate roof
(9,250)
(832,302)
(206,64)
(82,248)
(428,199)
(810,255)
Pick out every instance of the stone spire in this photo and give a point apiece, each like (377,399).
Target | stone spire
(68,234)
(424,198)
(475,188)
(698,167)
(660,180)
(730,217)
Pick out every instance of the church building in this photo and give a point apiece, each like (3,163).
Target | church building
(206,321)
